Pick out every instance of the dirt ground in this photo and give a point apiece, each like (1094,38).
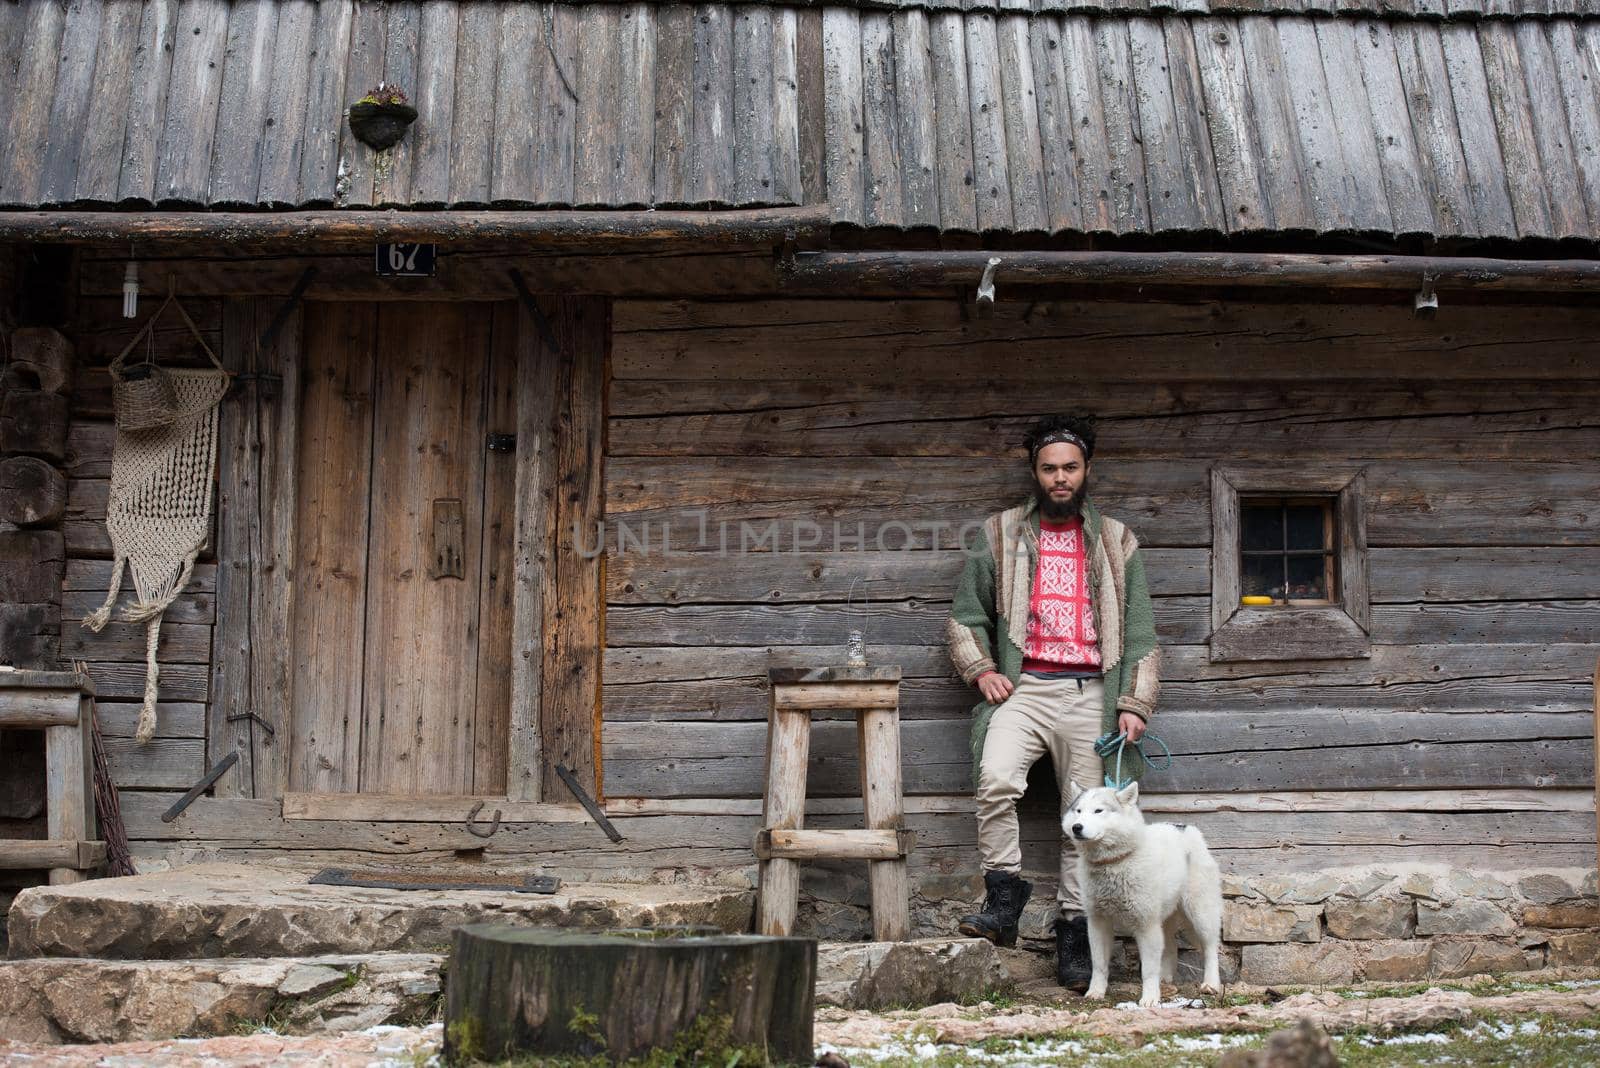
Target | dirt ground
(1549,1022)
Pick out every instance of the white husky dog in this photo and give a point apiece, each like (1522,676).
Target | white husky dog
(1146,880)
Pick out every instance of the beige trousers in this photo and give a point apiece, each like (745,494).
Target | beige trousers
(1056,716)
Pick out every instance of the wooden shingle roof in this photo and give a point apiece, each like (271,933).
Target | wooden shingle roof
(1455,118)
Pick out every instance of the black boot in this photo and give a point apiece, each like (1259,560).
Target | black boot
(1002,909)
(1073,962)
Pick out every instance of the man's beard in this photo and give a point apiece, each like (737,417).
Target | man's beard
(1071,508)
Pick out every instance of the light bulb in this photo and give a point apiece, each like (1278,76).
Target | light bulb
(130,291)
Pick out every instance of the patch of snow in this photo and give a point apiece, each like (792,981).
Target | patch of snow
(1431,1038)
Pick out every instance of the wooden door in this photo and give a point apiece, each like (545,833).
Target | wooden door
(402,590)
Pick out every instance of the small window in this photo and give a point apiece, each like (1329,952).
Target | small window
(1288,551)
(1289,563)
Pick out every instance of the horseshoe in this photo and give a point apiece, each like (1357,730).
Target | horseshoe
(472,817)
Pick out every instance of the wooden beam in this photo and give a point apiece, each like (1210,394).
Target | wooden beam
(880,274)
(326,230)
(394,808)
(63,853)
(33,709)
(802,844)
(1553,800)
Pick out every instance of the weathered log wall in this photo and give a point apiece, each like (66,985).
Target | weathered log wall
(1475,430)
(790,424)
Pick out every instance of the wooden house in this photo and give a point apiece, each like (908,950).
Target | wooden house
(709,275)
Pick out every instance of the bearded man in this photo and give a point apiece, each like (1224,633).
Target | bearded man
(1052,622)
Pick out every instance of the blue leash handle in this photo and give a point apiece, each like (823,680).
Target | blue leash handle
(1114,744)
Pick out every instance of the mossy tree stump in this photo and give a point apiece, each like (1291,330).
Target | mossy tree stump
(517,991)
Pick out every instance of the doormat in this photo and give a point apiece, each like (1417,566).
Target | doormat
(399,880)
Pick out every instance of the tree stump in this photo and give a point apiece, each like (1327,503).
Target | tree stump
(513,991)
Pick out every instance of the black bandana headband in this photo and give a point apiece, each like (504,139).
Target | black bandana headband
(1056,437)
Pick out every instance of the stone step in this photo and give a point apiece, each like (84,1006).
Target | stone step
(56,999)
(237,910)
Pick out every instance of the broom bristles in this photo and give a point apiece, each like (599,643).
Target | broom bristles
(107,805)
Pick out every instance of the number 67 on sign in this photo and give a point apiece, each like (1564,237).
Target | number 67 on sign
(406,260)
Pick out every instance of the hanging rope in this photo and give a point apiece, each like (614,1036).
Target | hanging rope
(1114,744)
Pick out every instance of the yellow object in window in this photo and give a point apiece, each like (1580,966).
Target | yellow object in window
(1255,600)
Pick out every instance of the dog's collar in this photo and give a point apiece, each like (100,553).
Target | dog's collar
(1109,860)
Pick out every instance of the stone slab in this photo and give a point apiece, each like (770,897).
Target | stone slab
(882,975)
(227,910)
(1317,963)
(60,999)
(67,1000)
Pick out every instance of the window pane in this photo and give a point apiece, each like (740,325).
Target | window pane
(1307,529)
(1261,526)
(1262,576)
(1308,578)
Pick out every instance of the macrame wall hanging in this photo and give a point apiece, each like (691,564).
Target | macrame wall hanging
(159,511)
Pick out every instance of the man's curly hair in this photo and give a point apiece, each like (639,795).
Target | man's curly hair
(1082,426)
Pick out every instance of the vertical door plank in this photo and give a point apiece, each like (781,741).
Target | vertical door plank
(573,593)
(331,547)
(537,368)
(422,633)
(251,643)
(492,719)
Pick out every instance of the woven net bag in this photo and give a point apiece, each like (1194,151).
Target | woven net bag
(159,511)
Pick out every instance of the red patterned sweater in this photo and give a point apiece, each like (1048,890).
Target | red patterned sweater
(1061,634)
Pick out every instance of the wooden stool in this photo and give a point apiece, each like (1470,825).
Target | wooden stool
(58,703)
(874,694)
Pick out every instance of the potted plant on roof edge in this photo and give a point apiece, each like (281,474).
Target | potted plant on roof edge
(381,118)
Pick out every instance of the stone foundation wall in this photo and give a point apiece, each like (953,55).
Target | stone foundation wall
(1333,927)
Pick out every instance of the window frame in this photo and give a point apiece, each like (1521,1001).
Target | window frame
(1339,631)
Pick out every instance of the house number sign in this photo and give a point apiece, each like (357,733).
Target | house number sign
(406,260)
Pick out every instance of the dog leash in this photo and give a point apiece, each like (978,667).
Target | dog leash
(1113,745)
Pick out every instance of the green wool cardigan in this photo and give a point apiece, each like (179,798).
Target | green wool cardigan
(988,618)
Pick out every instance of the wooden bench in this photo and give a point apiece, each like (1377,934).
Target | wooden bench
(60,703)
(873,693)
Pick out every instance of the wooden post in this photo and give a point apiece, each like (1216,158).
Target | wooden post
(788,748)
(1597,764)
(878,734)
